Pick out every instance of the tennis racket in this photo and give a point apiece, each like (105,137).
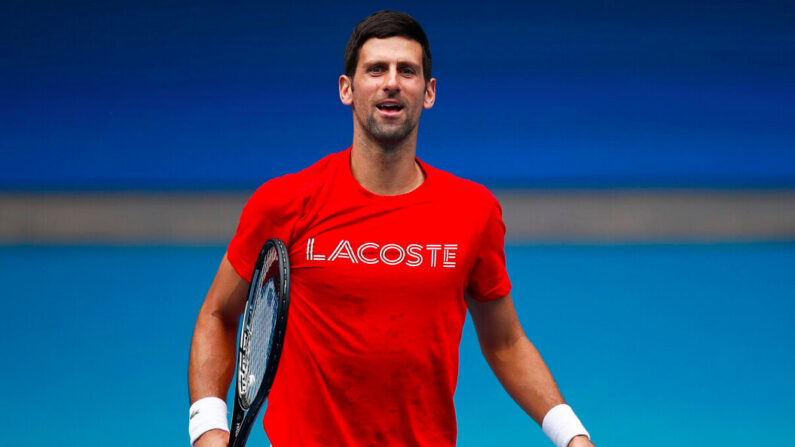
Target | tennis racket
(261,337)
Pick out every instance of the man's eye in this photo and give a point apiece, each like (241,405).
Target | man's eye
(376,69)
(408,71)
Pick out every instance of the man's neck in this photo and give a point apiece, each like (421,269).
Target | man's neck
(386,171)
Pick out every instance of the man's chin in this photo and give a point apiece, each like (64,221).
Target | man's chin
(390,134)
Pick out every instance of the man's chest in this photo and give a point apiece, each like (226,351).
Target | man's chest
(403,249)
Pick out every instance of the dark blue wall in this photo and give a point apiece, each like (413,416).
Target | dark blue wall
(218,95)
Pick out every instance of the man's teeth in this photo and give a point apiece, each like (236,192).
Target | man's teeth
(390,106)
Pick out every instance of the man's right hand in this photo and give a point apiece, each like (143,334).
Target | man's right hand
(213,438)
(580,441)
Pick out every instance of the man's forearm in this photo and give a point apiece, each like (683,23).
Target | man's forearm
(525,376)
(212,357)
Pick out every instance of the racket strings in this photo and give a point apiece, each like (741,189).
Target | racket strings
(261,323)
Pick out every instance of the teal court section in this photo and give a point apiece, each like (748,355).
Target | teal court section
(664,344)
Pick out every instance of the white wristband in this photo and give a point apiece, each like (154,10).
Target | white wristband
(206,414)
(561,425)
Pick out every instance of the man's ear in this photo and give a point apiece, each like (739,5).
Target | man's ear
(430,94)
(346,90)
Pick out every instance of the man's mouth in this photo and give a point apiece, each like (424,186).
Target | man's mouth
(389,106)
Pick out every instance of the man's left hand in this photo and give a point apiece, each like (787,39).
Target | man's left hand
(580,441)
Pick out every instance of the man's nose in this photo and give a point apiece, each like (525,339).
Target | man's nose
(391,81)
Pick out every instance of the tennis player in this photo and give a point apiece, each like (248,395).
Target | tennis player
(387,254)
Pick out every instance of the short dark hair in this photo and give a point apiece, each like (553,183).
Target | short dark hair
(381,25)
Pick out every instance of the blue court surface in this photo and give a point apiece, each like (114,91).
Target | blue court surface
(653,345)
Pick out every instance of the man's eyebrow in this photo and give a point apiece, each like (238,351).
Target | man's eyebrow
(389,61)
(408,64)
(400,63)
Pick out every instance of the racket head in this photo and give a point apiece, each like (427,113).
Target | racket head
(261,336)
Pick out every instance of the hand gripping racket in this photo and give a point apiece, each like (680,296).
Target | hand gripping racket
(261,337)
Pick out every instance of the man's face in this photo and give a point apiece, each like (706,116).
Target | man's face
(388,90)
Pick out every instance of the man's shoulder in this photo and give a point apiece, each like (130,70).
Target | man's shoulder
(303,180)
(291,190)
(456,186)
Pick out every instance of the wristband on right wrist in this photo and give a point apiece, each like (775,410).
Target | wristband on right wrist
(561,425)
(206,414)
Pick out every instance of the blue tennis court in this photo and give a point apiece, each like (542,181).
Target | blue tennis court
(665,344)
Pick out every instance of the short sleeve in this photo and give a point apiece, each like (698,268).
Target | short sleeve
(269,213)
(488,279)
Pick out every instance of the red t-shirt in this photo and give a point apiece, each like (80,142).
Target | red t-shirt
(376,301)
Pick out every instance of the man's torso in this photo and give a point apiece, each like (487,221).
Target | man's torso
(377,308)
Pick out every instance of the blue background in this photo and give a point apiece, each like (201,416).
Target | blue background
(197,95)
(669,344)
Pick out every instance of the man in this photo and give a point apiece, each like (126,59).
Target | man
(387,254)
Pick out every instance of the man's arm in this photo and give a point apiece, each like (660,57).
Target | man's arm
(212,352)
(515,361)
